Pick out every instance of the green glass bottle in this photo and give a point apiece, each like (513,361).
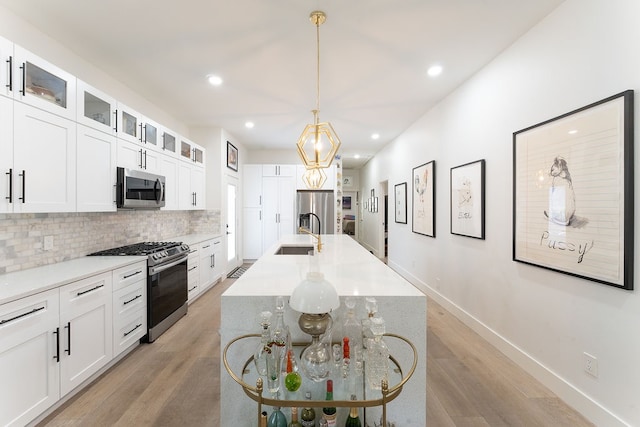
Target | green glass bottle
(308,416)
(354,419)
(329,412)
(294,418)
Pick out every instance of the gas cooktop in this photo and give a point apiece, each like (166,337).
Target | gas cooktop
(144,248)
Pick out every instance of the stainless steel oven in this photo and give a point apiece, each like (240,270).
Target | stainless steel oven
(167,295)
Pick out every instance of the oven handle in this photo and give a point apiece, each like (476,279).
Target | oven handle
(160,268)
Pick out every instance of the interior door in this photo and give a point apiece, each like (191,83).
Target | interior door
(232,224)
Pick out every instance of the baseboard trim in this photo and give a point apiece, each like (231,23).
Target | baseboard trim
(566,391)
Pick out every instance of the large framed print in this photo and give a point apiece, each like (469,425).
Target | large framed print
(467,199)
(424,199)
(232,157)
(573,193)
(401,203)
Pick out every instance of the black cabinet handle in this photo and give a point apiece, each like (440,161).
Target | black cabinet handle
(115,120)
(35,310)
(10,82)
(57,334)
(23,67)
(145,159)
(10,196)
(141,158)
(24,186)
(132,274)
(136,327)
(132,299)
(68,328)
(89,290)
(195,287)
(193,268)
(141,140)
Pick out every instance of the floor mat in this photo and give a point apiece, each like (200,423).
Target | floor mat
(237,272)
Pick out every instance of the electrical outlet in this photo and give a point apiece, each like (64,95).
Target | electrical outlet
(590,364)
(48,243)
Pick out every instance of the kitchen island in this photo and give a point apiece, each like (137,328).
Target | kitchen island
(354,272)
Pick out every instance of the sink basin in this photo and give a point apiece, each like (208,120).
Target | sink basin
(294,250)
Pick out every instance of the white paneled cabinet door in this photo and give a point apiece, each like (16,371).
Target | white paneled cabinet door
(269,211)
(207,263)
(286,205)
(170,170)
(197,185)
(44,153)
(252,186)
(96,170)
(7,172)
(29,371)
(86,329)
(252,235)
(185,194)
(7,80)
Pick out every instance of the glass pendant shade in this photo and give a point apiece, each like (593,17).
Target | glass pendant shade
(314,295)
(314,178)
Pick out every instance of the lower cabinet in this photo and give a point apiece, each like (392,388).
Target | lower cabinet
(193,274)
(53,341)
(210,261)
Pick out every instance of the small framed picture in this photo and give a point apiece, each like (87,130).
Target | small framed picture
(401,203)
(232,157)
(467,200)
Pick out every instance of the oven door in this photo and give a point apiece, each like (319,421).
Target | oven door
(167,294)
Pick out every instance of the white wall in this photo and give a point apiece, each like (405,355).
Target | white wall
(584,51)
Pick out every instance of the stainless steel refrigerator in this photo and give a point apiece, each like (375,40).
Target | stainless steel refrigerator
(319,203)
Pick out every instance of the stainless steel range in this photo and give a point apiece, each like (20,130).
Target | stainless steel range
(166,281)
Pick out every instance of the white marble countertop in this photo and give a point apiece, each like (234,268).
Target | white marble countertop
(348,266)
(23,283)
(192,239)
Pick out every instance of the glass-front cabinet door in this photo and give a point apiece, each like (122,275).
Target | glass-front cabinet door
(128,124)
(149,132)
(6,68)
(169,142)
(96,109)
(43,85)
(191,151)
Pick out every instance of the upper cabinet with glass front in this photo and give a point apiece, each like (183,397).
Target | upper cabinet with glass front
(191,151)
(43,85)
(6,70)
(168,141)
(134,127)
(96,109)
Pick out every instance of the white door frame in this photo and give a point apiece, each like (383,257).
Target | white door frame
(232,224)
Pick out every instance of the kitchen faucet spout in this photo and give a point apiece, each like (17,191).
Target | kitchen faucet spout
(317,236)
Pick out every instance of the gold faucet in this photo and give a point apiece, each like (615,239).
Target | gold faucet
(317,236)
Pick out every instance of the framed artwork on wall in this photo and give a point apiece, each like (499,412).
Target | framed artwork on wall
(573,193)
(232,157)
(424,199)
(401,203)
(467,199)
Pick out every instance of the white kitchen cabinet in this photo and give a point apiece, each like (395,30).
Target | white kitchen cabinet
(191,151)
(168,141)
(129,306)
(96,170)
(169,168)
(7,80)
(279,170)
(191,183)
(7,186)
(86,328)
(193,273)
(329,184)
(29,371)
(135,156)
(252,233)
(96,109)
(210,262)
(43,85)
(44,166)
(278,193)
(252,186)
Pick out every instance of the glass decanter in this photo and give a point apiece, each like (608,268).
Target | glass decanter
(280,337)
(377,355)
(371,306)
(260,356)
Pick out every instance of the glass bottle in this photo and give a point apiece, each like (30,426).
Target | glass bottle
(372,308)
(329,412)
(346,358)
(293,380)
(277,418)
(308,416)
(351,327)
(354,419)
(260,356)
(377,360)
(280,337)
(294,418)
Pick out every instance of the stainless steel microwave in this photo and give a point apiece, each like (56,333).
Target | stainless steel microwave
(139,189)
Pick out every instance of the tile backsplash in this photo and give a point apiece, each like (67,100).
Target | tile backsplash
(78,234)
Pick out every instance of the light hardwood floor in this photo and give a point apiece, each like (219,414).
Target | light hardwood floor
(174,381)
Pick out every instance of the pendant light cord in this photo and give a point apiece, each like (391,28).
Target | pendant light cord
(318,65)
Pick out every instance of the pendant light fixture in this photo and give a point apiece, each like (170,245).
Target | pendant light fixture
(318,144)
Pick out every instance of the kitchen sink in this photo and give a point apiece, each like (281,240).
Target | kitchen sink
(294,250)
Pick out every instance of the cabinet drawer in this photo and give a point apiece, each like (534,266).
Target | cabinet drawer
(130,299)
(28,317)
(129,274)
(128,330)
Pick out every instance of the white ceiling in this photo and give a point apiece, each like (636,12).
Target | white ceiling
(374,55)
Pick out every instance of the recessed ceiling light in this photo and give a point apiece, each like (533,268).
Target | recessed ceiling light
(434,70)
(249,125)
(573,132)
(356,156)
(214,80)
(375,136)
